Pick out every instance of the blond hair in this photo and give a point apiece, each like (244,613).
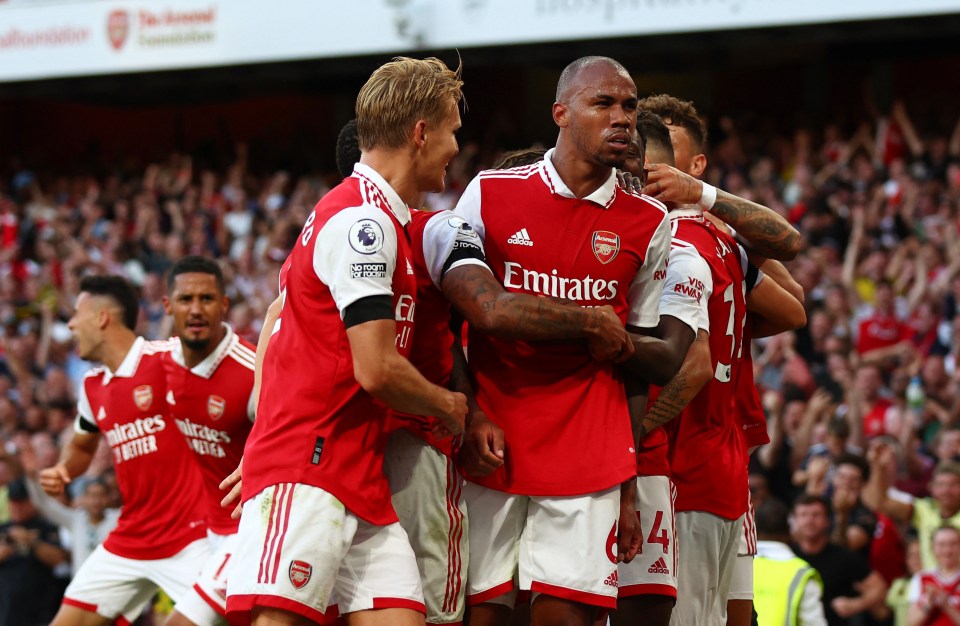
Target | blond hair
(400,93)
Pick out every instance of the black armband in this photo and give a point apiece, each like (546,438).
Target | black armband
(367,310)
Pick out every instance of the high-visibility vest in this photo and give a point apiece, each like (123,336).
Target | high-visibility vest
(778,588)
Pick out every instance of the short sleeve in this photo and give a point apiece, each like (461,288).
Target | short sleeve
(449,241)
(468,208)
(355,254)
(85,422)
(687,288)
(913,590)
(644,294)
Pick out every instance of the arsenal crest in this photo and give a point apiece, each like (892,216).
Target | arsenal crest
(606,245)
(143,397)
(118,25)
(215,407)
(299,573)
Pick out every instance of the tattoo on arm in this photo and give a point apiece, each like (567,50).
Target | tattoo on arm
(766,232)
(487,305)
(671,401)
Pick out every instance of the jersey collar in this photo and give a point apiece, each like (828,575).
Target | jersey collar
(687,213)
(602,196)
(206,367)
(392,199)
(128,367)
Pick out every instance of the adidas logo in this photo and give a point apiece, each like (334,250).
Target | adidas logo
(612,580)
(101,415)
(409,267)
(521,238)
(660,567)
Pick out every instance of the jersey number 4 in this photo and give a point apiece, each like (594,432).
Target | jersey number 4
(658,534)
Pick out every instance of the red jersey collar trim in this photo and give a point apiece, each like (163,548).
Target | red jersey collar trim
(687,213)
(128,367)
(206,367)
(603,195)
(396,205)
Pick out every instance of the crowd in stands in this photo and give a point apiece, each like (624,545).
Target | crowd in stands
(863,404)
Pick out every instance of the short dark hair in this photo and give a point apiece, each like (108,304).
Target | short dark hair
(519,158)
(805,499)
(118,289)
(848,458)
(653,132)
(676,112)
(571,71)
(348,148)
(771,518)
(195,264)
(944,526)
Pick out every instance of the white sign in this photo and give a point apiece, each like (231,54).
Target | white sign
(85,37)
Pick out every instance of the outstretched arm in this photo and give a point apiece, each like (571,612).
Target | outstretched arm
(764,230)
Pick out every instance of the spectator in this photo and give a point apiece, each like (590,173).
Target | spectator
(87,526)
(934,594)
(29,550)
(942,507)
(787,590)
(898,599)
(853,524)
(850,587)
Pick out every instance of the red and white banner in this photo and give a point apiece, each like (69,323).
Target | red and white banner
(45,39)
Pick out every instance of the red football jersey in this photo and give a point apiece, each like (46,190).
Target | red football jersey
(439,242)
(706,448)
(924,583)
(879,331)
(315,424)
(753,421)
(160,483)
(564,415)
(212,404)
(681,299)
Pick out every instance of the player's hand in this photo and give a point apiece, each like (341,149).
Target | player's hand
(629,533)
(668,184)
(233,482)
(455,414)
(54,479)
(482,451)
(629,182)
(606,336)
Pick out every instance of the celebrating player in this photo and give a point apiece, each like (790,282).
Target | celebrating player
(210,379)
(561,228)
(159,540)
(318,529)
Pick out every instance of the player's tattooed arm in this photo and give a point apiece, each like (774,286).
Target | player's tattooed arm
(658,352)
(682,388)
(764,230)
(489,308)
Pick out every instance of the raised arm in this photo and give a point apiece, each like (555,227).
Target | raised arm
(763,230)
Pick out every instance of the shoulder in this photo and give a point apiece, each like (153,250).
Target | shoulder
(243,353)
(635,199)
(513,173)
(158,347)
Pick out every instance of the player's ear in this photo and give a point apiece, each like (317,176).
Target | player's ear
(166,306)
(560,114)
(420,133)
(698,165)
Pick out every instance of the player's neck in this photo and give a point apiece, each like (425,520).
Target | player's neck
(116,347)
(581,177)
(396,167)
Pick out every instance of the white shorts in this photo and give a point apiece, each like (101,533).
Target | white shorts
(427,496)
(318,559)
(741,583)
(703,578)
(561,546)
(748,538)
(119,588)
(654,569)
(206,605)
